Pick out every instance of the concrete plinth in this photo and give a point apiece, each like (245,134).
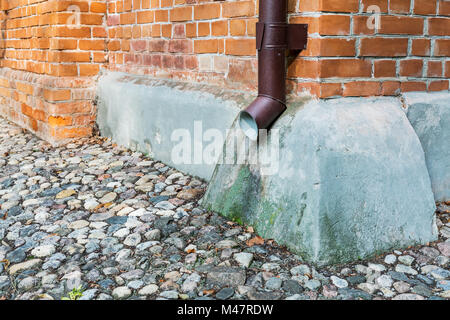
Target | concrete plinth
(429,114)
(149,115)
(352,182)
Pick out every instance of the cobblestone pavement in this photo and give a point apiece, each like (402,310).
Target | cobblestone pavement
(117,225)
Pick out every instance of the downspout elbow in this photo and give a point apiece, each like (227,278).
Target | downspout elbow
(273,37)
(260,114)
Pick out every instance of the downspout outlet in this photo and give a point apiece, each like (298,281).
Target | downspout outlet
(260,114)
(273,37)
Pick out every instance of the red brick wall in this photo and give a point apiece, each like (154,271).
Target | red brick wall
(409,52)
(209,42)
(47,65)
(214,41)
(206,41)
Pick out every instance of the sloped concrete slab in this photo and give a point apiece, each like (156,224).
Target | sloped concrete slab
(352,182)
(429,114)
(143,113)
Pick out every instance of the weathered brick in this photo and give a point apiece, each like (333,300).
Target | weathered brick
(206,46)
(240,47)
(362,89)
(411,68)
(384,47)
(438,26)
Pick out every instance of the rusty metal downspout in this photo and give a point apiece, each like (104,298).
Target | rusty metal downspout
(273,37)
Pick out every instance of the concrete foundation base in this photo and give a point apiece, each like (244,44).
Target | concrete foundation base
(352,182)
(429,114)
(346,178)
(156,116)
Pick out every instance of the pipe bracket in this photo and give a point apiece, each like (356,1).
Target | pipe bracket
(281,36)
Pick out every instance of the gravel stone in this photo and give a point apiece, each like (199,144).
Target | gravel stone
(148,290)
(338,282)
(225,294)
(121,293)
(405,269)
(244,258)
(119,225)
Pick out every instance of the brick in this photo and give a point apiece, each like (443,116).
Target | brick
(166,30)
(401,25)
(362,89)
(312,22)
(128,18)
(33,124)
(89,69)
(421,47)
(413,86)
(4,83)
(220,64)
(180,45)
(66,133)
(203,29)
(179,31)
(444,8)
(56,95)
(361,25)
(442,48)
(69,107)
(158,45)
(339,6)
(399,6)
(237,27)
(434,69)
(243,71)
(191,30)
(206,46)
(39,115)
(345,68)
(304,68)
(238,9)
(98,7)
(207,11)
(240,47)
(61,31)
(384,68)
(251,27)
(411,68)
(92,44)
(382,4)
(329,6)
(425,7)
(25,87)
(161,16)
(336,25)
(114,45)
(181,14)
(138,45)
(390,88)
(330,90)
(191,62)
(337,47)
(439,26)
(440,85)
(59,121)
(69,56)
(66,70)
(384,47)
(83,120)
(145,17)
(26,109)
(219,28)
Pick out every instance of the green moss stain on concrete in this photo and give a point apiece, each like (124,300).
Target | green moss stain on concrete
(367,190)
